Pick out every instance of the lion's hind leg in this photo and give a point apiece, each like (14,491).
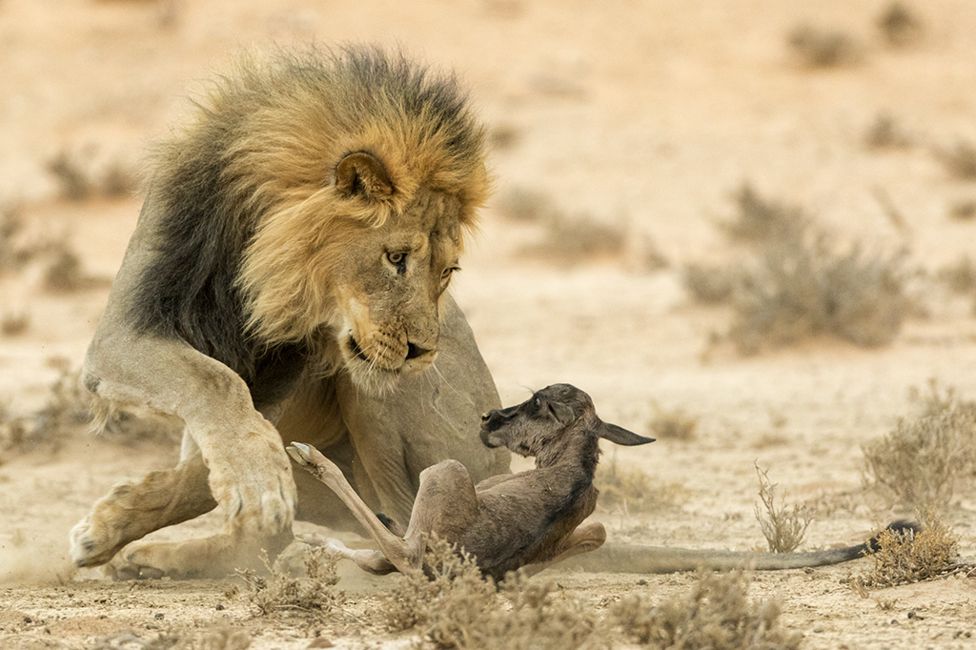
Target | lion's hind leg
(132,510)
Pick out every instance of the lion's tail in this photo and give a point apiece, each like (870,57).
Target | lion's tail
(635,558)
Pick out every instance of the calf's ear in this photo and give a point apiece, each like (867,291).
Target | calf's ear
(621,436)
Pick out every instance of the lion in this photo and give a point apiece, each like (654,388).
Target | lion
(287,279)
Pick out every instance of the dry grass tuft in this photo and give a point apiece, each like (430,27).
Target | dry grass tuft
(503,137)
(760,219)
(899,25)
(455,607)
(14,322)
(926,457)
(960,276)
(906,557)
(311,593)
(526,206)
(964,210)
(673,424)
(804,287)
(886,133)
(79,177)
(959,159)
(64,413)
(632,491)
(709,285)
(63,272)
(818,47)
(783,527)
(717,614)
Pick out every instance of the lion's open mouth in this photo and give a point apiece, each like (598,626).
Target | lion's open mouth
(357,351)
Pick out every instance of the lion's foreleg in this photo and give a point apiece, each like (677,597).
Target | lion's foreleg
(249,473)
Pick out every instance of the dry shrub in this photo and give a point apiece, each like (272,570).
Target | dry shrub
(64,413)
(455,607)
(632,491)
(964,210)
(923,460)
(804,287)
(14,253)
(759,219)
(526,206)
(818,47)
(673,424)
(14,322)
(899,25)
(503,137)
(906,557)
(959,159)
(783,527)
(79,177)
(717,613)
(886,133)
(63,272)
(960,276)
(709,285)
(570,238)
(216,638)
(311,593)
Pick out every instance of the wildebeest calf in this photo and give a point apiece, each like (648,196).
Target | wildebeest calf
(508,521)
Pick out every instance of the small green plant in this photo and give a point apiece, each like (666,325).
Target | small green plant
(783,527)
(717,613)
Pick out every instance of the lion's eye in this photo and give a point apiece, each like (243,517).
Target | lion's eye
(397,259)
(446,273)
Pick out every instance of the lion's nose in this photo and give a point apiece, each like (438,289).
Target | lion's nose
(414,351)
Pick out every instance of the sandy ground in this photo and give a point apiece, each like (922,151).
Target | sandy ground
(645,114)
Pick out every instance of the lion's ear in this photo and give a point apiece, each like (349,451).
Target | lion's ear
(362,173)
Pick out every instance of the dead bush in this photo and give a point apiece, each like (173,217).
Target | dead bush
(13,251)
(959,159)
(819,47)
(14,322)
(64,413)
(709,285)
(886,133)
(571,238)
(717,613)
(630,490)
(526,206)
(672,424)
(80,177)
(503,137)
(960,276)
(760,219)
(783,527)
(922,461)
(455,607)
(311,593)
(906,557)
(63,272)
(964,210)
(899,25)
(806,287)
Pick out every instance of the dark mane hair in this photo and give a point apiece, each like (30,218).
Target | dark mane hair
(275,126)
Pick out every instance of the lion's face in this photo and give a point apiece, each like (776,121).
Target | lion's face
(389,285)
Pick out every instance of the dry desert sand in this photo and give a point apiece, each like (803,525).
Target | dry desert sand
(644,115)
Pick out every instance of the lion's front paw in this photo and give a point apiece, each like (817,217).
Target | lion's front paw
(256,487)
(154,560)
(97,538)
